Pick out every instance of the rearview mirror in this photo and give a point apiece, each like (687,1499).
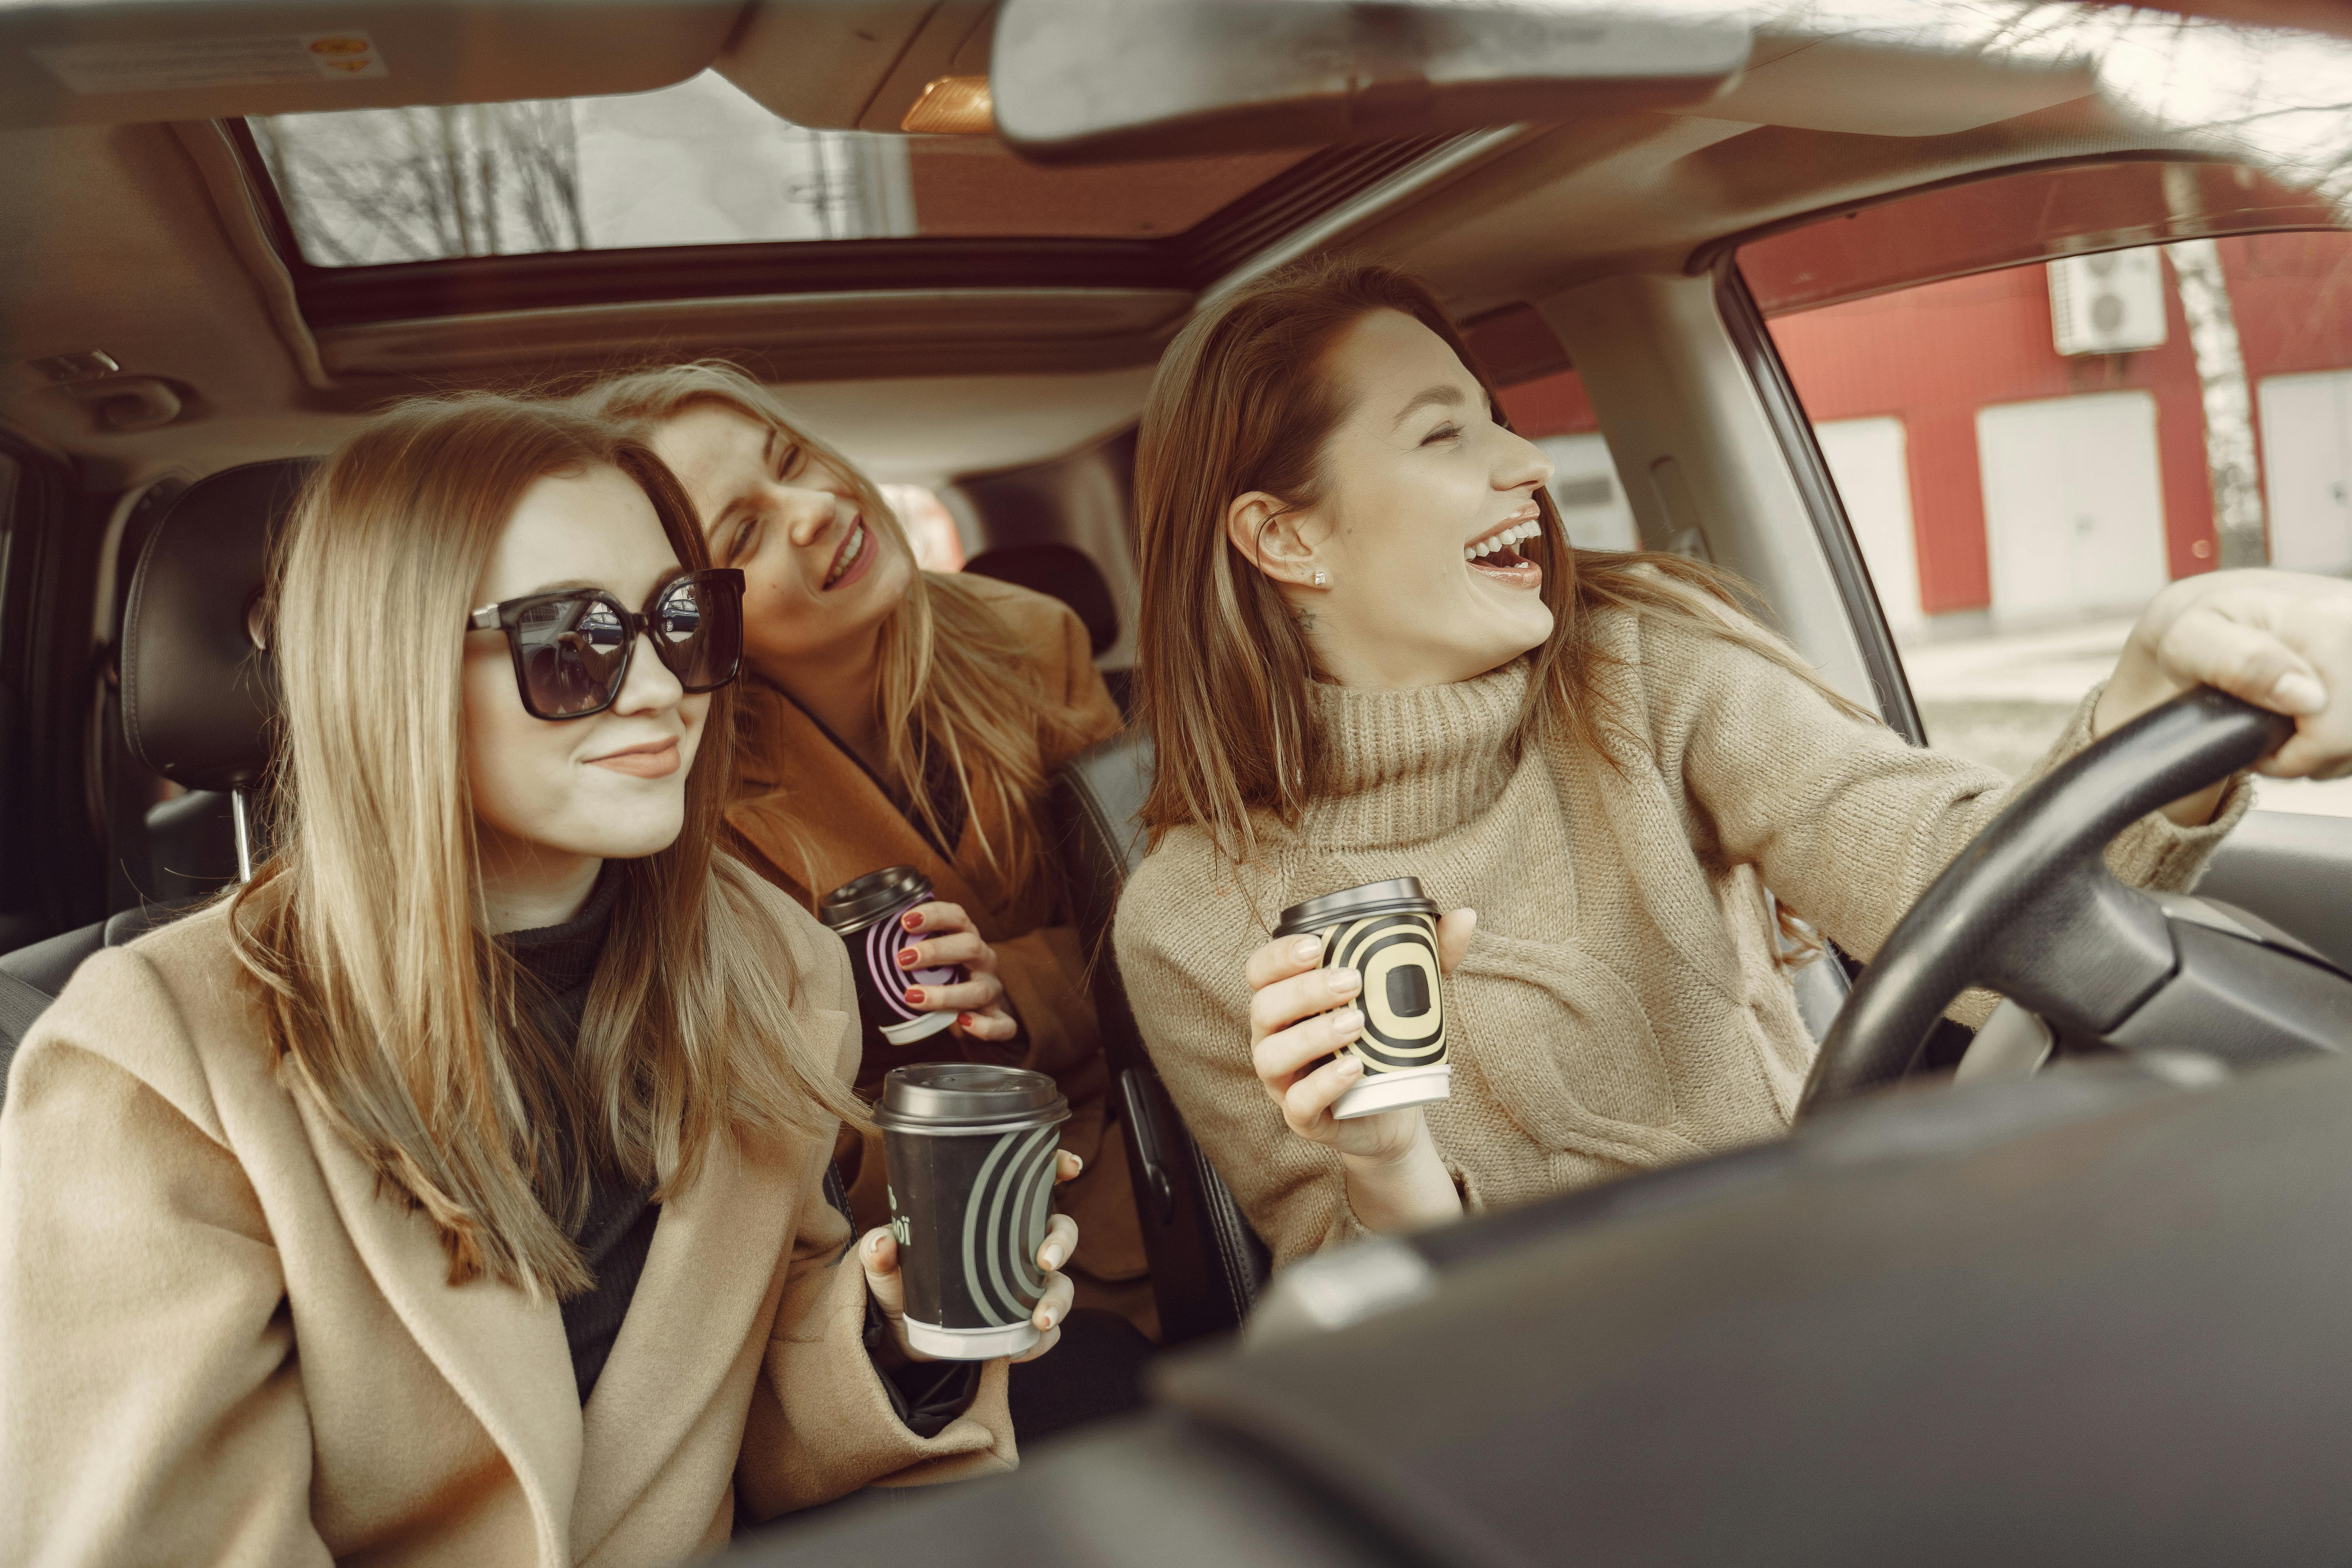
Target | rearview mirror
(1082,81)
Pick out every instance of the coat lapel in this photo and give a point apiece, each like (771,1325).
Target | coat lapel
(696,1315)
(507,1357)
(792,767)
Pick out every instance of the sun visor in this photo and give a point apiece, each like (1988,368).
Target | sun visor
(189,59)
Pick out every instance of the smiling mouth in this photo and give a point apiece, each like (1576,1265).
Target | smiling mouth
(1496,555)
(654,759)
(853,550)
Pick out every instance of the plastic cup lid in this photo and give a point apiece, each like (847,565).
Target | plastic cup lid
(951,1095)
(1397,896)
(877,893)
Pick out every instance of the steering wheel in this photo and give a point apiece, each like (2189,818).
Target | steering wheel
(2029,910)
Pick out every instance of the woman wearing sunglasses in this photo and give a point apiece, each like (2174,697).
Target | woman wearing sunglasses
(898,717)
(456,1189)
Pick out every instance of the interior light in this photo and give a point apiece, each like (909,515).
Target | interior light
(953,106)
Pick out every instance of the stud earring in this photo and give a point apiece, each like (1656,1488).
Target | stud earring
(1322,578)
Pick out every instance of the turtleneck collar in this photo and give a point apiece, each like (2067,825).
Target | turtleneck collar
(561,957)
(1402,767)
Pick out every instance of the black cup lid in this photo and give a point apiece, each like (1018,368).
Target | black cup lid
(1397,896)
(877,893)
(954,1096)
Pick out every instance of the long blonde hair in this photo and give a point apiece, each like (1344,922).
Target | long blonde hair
(381,988)
(953,678)
(1241,403)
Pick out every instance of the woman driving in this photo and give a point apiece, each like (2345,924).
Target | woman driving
(891,716)
(1367,651)
(454,1190)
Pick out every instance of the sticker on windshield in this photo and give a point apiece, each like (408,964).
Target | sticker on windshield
(263,59)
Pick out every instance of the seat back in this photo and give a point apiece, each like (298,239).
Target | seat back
(1207,1265)
(198,703)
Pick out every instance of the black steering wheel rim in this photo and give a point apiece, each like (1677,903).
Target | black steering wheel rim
(2030,908)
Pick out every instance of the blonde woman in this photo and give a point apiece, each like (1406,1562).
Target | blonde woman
(454,1191)
(892,717)
(1368,651)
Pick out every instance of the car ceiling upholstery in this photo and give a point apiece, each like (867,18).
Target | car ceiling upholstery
(135,238)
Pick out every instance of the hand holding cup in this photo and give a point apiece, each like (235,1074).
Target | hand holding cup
(940,935)
(1299,1016)
(877,1252)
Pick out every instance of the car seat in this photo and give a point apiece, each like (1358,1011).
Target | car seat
(1207,1264)
(198,702)
(1062,571)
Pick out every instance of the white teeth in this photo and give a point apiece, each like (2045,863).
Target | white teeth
(1501,540)
(848,557)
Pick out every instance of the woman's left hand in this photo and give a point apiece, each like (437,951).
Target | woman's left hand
(940,934)
(879,1254)
(2280,640)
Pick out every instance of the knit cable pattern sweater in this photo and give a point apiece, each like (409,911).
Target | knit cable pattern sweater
(1622,1006)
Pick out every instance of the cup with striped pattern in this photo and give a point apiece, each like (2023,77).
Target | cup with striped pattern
(969,1150)
(865,914)
(1386,931)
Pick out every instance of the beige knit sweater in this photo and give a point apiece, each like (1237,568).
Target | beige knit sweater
(1620,1005)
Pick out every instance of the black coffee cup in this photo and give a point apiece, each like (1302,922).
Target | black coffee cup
(865,914)
(971,1150)
(1386,931)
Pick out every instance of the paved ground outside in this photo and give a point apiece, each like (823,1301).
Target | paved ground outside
(2002,699)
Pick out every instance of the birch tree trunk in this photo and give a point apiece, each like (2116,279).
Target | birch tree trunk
(2229,461)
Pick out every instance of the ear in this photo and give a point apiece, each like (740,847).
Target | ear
(1279,541)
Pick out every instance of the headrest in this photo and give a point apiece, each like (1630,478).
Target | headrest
(198,698)
(1058,572)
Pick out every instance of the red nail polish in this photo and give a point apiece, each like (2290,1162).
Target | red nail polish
(914,995)
(911,920)
(909,958)
(966,1019)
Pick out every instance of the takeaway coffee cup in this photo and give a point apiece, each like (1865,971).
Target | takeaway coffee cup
(865,914)
(1387,932)
(971,1150)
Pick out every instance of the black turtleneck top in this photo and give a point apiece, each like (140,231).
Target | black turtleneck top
(617,1231)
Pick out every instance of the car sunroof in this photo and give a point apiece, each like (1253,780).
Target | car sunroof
(700,164)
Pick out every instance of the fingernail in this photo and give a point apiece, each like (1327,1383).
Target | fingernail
(911,920)
(1306,947)
(909,958)
(1350,1067)
(2299,693)
(966,1019)
(1050,1259)
(1347,1020)
(1078,1160)
(1344,982)
(914,995)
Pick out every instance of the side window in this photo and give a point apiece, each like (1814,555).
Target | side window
(1553,412)
(2028,453)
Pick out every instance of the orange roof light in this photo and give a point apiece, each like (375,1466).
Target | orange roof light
(953,106)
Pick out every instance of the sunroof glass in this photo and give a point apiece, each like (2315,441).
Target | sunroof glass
(697,163)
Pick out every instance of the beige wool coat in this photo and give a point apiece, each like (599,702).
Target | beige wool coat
(220,1344)
(1621,1004)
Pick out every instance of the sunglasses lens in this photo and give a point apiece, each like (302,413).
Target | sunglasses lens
(698,629)
(574,653)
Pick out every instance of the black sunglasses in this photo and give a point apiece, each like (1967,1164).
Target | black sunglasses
(572,648)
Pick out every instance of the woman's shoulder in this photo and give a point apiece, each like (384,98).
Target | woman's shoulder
(1046,631)
(1188,897)
(174,1010)
(816,955)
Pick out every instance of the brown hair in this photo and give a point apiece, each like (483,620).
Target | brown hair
(1241,403)
(953,677)
(379,987)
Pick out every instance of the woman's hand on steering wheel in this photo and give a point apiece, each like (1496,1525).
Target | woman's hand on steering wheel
(2280,640)
(947,937)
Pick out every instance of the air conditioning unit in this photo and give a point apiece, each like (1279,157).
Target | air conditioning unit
(2111,304)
